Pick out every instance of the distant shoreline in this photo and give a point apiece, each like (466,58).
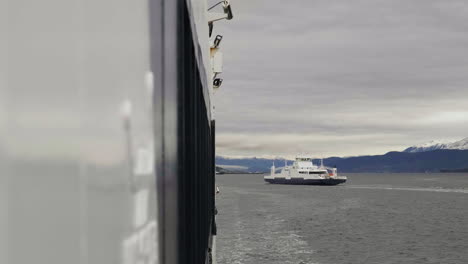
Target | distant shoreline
(418,162)
(454,170)
(241,173)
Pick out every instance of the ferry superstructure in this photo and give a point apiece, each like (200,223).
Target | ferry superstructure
(107,130)
(304,172)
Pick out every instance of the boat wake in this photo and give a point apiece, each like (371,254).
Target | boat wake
(258,235)
(415,189)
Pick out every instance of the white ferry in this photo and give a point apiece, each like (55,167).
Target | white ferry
(303,171)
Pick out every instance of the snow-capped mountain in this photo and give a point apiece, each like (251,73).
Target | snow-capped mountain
(435,145)
(428,146)
(462,144)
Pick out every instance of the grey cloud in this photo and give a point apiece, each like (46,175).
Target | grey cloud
(343,68)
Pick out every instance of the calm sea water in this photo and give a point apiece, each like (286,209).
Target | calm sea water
(374,218)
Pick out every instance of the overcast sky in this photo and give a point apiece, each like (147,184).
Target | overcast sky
(341,78)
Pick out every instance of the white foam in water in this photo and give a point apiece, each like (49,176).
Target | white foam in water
(416,189)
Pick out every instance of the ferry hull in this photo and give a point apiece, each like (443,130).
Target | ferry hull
(301,181)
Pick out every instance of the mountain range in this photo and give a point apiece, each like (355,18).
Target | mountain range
(436,144)
(434,156)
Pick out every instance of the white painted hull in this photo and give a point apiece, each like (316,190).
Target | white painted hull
(306,181)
